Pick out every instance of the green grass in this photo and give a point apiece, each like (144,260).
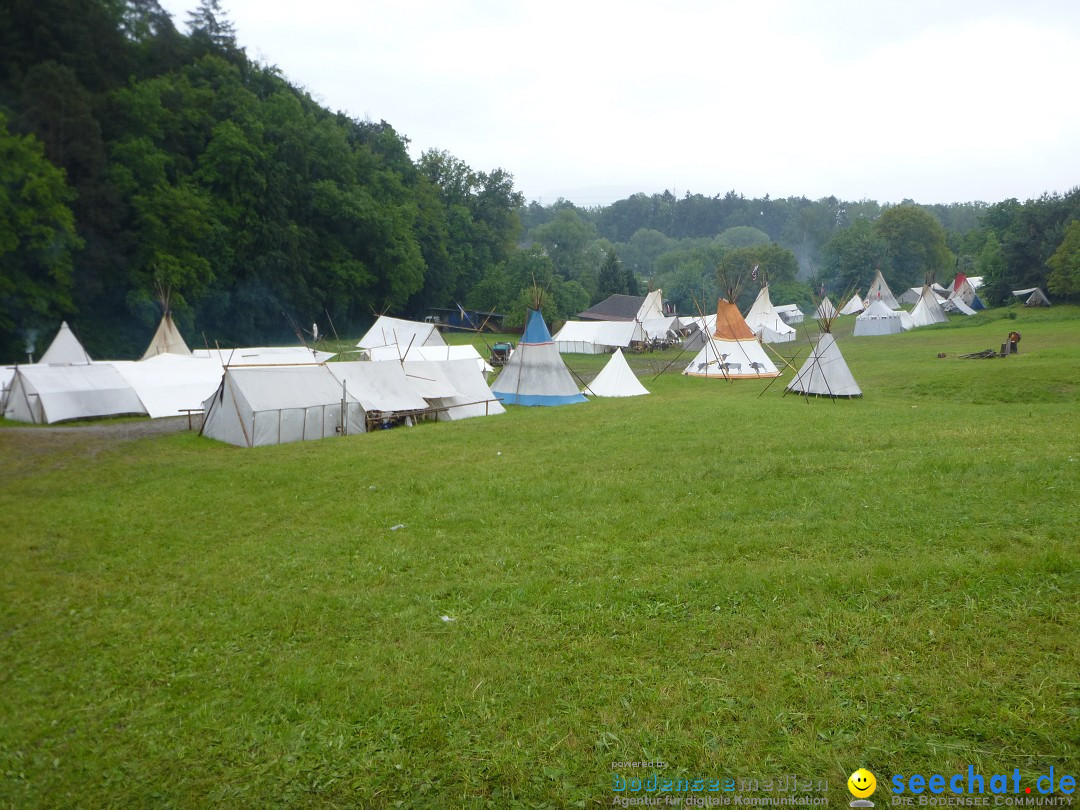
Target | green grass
(737,585)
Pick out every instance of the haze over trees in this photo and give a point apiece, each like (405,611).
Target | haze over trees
(134,156)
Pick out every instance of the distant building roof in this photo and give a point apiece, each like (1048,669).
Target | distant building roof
(616,308)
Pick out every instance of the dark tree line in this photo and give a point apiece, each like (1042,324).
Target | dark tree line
(138,158)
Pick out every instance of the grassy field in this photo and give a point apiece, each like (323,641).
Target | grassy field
(491,613)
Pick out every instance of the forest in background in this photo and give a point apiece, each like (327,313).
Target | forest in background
(136,158)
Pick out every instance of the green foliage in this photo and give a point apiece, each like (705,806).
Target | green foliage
(37,239)
(852,256)
(916,245)
(1065,263)
(743,236)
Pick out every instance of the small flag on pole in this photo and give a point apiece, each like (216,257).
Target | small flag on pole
(753,273)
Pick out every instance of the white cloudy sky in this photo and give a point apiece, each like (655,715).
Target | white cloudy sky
(934,100)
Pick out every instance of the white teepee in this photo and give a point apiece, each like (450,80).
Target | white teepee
(765,322)
(65,349)
(536,374)
(879,291)
(928,311)
(616,380)
(825,372)
(825,310)
(166,340)
(733,351)
(854,306)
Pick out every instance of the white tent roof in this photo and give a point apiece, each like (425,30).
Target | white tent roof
(956,304)
(44,394)
(166,340)
(1033,297)
(825,372)
(660,328)
(398,332)
(878,319)
(765,322)
(265,356)
(616,380)
(466,393)
(928,311)
(911,295)
(593,337)
(379,386)
(65,349)
(854,306)
(167,384)
(429,353)
(879,291)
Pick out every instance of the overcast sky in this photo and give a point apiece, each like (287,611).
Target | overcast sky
(594,100)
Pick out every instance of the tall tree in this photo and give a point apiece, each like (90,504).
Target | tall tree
(916,245)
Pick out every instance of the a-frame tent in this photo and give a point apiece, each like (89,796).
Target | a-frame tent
(65,349)
(879,291)
(825,372)
(733,352)
(398,332)
(616,379)
(854,306)
(536,373)
(825,310)
(1032,297)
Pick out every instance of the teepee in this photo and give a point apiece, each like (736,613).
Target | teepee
(879,291)
(733,351)
(825,372)
(536,373)
(65,349)
(167,339)
(765,322)
(854,306)
(928,311)
(616,380)
(825,310)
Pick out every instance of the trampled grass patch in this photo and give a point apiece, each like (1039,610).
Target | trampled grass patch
(737,585)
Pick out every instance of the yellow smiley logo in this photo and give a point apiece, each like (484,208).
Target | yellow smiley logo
(861,783)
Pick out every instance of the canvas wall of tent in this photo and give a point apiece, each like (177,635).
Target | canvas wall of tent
(536,373)
(928,310)
(732,351)
(765,322)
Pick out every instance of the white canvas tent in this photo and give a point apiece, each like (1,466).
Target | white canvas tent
(790,313)
(597,337)
(171,384)
(825,372)
(825,310)
(651,308)
(536,374)
(398,332)
(664,328)
(733,351)
(1032,297)
(878,319)
(956,304)
(259,406)
(911,296)
(879,291)
(166,340)
(616,379)
(44,394)
(928,311)
(764,321)
(965,291)
(854,306)
(65,349)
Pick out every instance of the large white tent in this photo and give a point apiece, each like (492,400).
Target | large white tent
(398,332)
(790,313)
(379,387)
(733,351)
(825,372)
(879,291)
(765,322)
(167,339)
(878,319)
(536,374)
(65,349)
(44,394)
(597,337)
(260,406)
(616,379)
(928,311)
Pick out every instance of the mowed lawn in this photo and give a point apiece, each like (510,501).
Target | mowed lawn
(490,613)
